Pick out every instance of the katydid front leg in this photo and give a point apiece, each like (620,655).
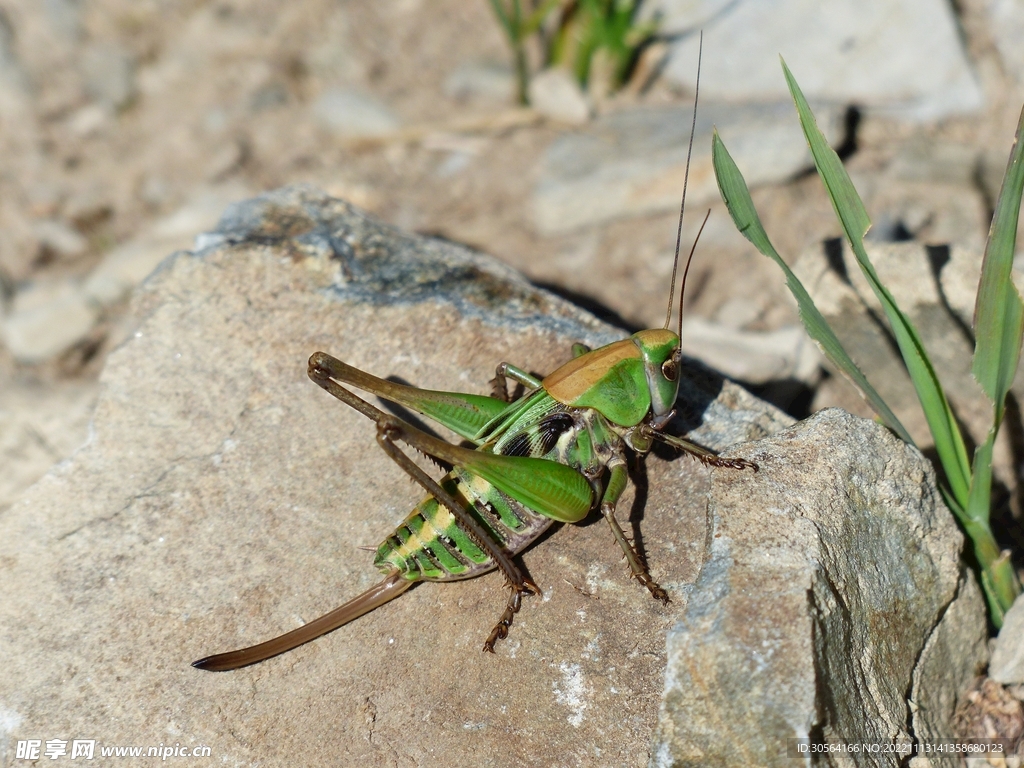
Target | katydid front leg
(617,480)
(703,455)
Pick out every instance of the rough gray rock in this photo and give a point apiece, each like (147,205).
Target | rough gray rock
(222,498)
(825,575)
(955,653)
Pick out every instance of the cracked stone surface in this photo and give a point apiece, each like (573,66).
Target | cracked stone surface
(222,499)
(831,599)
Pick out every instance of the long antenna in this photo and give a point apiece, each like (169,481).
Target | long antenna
(682,288)
(686,179)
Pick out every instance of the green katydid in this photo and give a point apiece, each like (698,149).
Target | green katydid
(555,453)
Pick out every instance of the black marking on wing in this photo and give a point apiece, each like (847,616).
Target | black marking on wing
(551,428)
(453,549)
(538,440)
(518,445)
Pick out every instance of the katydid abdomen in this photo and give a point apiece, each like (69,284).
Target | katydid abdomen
(431,546)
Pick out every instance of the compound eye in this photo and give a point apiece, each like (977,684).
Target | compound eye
(669,369)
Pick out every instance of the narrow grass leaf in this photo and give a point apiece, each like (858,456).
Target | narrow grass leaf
(741,208)
(503,19)
(980,498)
(998,327)
(986,552)
(949,442)
(999,579)
(998,311)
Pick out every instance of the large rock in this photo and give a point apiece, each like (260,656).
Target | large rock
(827,576)
(223,498)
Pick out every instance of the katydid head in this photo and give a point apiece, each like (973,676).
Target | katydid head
(659,348)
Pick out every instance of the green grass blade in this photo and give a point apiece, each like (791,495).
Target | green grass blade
(503,19)
(998,327)
(980,498)
(741,208)
(999,312)
(949,443)
(998,577)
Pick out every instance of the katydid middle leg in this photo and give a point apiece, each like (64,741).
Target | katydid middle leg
(505,371)
(618,477)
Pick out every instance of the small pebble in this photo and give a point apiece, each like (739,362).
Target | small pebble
(59,240)
(352,115)
(47,319)
(556,95)
(109,72)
